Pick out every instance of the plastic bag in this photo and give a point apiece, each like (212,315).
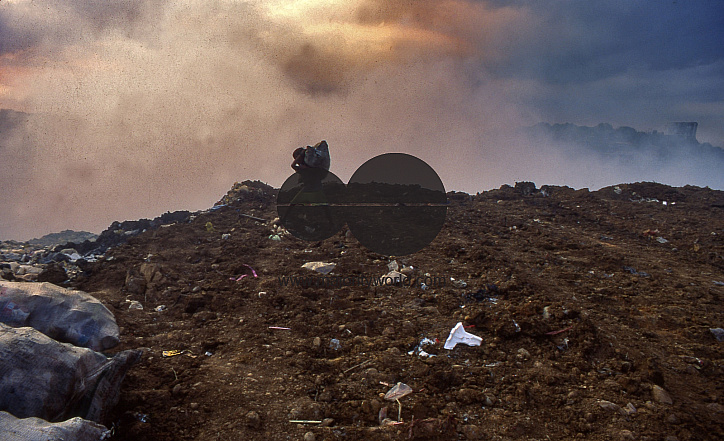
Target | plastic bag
(40,377)
(62,314)
(35,429)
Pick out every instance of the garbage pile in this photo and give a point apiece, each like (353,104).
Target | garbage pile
(54,383)
(53,259)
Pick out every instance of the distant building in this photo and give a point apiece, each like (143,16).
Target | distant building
(684,129)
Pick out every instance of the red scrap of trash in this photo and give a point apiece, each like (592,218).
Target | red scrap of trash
(469,326)
(559,331)
(244,275)
(651,233)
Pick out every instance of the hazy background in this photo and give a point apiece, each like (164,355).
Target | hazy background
(136,107)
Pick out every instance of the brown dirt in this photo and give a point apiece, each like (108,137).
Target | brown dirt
(619,333)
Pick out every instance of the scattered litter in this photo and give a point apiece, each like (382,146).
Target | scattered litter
(517,326)
(563,346)
(487,293)
(160,308)
(208,353)
(560,331)
(275,237)
(225,236)
(364,363)
(244,275)
(142,417)
(661,240)
(718,333)
(418,350)
(135,304)
(424,287)
(718,283)
(651,233)
(633,271)
(393,266)
(209,227)
(398,391)
(630,409)
(458,334)
(335,344)
(305,421)
(606,238)
(172,353)
(258,219)
(320,267)
(280,328)
(458,283)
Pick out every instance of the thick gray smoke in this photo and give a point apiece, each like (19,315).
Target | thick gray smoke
(146,106)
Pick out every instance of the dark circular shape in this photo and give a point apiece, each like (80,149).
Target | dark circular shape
(308,204)
(395,204)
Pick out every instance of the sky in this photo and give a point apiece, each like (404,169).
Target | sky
(138,107)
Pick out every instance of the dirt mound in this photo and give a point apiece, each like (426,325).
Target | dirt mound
(594,309)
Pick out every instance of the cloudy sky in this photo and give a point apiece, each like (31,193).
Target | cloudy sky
(138,107)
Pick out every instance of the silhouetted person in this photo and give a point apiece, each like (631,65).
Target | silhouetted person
(311,164)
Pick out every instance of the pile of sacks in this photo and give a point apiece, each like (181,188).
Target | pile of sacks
(55,384)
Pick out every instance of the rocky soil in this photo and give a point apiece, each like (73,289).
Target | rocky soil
(594,310)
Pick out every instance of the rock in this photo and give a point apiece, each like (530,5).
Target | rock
(325,396)
(672,419)
(467,396)
(194,406)
(660,395)
(472,432)
(253,420)
(611,406)
(366,406)
(53,273)
(327,422)
(627,435)
(523,354)
(177,390)
(309,436)
(715,408)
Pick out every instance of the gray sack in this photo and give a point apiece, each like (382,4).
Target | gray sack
(62,314)
(40,377)
(317,156)
(35,429)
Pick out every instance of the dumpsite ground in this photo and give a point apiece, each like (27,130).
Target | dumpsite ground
(594,310)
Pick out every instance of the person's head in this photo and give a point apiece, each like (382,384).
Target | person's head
(298,153)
